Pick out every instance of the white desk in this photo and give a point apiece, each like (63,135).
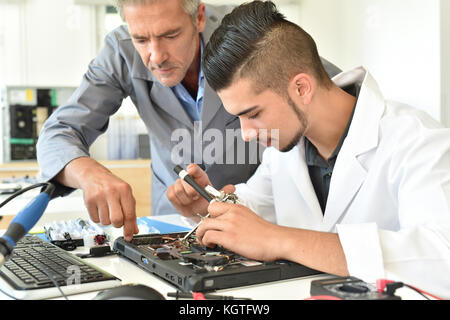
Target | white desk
(128,272)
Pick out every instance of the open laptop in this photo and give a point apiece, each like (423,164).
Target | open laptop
(195,268)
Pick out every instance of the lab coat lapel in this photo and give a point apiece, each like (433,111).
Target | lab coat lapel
(350,169)
(300,174)
(348,176)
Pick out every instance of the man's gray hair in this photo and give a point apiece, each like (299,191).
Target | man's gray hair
(189,6)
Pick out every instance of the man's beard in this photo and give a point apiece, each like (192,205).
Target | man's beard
(302,118)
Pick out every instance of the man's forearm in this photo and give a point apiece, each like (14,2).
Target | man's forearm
(318,250)
(76,171)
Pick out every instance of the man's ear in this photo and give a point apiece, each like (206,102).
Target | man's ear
(201,17)
(302,87)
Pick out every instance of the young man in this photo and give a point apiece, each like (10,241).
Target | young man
(352,185)
(156,61)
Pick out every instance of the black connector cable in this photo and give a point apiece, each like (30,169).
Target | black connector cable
(389,287)
(49,188)
(97,251)
(392,287)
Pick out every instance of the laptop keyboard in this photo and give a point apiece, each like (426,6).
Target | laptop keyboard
(36,265)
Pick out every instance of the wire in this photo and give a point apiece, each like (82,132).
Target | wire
(390,286)
(48,274)
(21,191)
(52,279)
(323,298)
(7,294)
(423,293)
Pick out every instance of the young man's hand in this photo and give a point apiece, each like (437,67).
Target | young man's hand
(185,199)
(242,231)
(237,228)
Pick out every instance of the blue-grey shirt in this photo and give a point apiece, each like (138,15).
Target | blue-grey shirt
(192,107)
(320,170)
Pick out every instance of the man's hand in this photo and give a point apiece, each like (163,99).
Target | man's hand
(240,230)
(108,199)
(185,199)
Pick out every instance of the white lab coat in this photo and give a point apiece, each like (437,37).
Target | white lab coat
(389,197)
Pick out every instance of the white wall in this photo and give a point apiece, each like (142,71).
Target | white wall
(445,60)
(45,42)
(404,43)
(290,8)
(12,39)
(398,41)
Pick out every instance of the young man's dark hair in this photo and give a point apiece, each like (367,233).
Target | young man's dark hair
(255,41)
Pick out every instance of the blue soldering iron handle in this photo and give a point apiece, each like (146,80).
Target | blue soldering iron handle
(22,223)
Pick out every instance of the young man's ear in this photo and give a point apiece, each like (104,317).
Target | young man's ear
(301,88)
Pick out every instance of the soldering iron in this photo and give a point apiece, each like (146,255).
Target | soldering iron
(25,219)
(209,193)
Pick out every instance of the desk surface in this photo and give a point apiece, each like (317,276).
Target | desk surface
(128,272)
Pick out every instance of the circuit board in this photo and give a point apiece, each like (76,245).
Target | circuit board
(189,252)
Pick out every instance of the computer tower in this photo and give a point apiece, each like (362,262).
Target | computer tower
(23,113)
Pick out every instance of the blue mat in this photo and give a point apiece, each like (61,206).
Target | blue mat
(162,227)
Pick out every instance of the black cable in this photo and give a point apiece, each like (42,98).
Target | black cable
(53,280)
(392,287)
(47,273)
(7,294)
(418,291)
(21,191)
(43,269)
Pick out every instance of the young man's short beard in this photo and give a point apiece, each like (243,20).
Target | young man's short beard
(302,118)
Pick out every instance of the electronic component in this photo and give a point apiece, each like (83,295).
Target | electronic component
(348,288)
(188,252)
(97,251)
(72,233)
